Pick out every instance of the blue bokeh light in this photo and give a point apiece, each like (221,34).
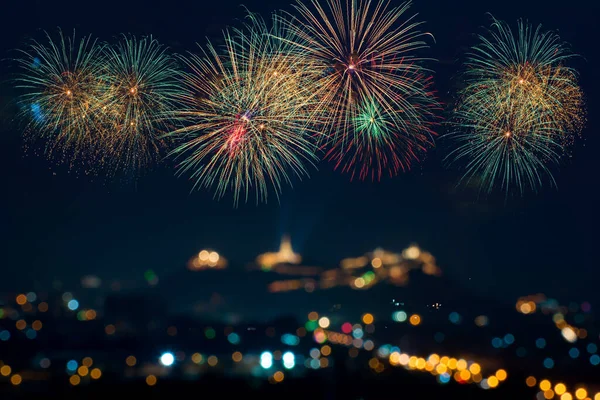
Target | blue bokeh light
(4,335)
(497,342)
(266,360)
(290,340)
(444,378)
(574,352)
(233,338)
(592,348)
(289,360)
(454,317)
(72,365)
(73,305)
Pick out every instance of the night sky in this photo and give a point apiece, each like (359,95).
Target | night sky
(57,225)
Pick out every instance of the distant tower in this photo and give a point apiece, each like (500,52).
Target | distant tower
(285,255)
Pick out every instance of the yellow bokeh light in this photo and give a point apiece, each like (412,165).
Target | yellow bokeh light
(21,324)
(376,262)
(74,380)
(530,381)
(83,370)
(395,358)
(434,359)
(440,369)
(212,361)
(412,362)
(581,393)
(560,388)
(373,363)
(404,359)
(324,322)
(415,319)
(566,396)
(475,368)
(213,257)
(87,361)
(545,385)
(452,363)
(313,316)
(197,358)
(110,329)
(549,394)
(326,350)
(131,361)
(203,255)
(461,364)
(278,376)
(411,253)
(16,379)
(368,318)
(151,380)
(21,299)
(5,370)
(569,334)
(96,373)
(237,356)
(421,363)
(501,375)
(493,381)
(465,375)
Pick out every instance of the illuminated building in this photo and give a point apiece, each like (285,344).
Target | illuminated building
(285,255)
(207,259)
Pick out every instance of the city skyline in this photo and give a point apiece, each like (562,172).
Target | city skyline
(377,268)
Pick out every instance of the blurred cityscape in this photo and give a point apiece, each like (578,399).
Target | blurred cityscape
(377,324)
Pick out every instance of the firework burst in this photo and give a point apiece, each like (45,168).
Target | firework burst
(140,87)
(367,55)
(62,91)
(520,109)
(247,118)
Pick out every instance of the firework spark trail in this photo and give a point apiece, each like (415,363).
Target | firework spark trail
(140,90)
(248,114)
(62,91)
(520,110)
(368,54)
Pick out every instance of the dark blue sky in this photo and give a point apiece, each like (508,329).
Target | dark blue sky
(55,225)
